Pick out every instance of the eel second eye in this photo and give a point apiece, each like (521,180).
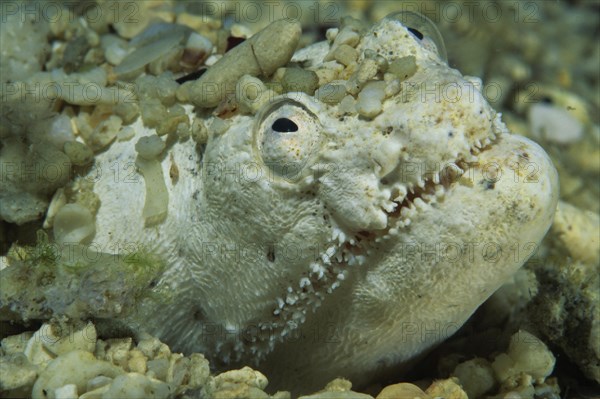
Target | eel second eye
(284,125)
(415,32)
(423,29)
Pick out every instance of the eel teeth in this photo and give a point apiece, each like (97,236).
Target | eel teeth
(420,204)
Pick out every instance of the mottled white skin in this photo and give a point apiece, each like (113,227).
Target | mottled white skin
(253,262)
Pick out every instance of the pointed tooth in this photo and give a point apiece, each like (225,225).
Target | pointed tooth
(440,191)
(420,204)
(428,197)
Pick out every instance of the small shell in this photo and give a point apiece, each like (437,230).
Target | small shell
(58,200)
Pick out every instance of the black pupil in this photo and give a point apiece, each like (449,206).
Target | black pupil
(416,33)
(284,125)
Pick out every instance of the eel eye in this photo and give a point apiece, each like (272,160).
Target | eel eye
(284,125)
(423,29)
(286,137)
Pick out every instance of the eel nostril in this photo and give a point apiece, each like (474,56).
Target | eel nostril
(199,314)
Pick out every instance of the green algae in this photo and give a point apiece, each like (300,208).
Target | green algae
(50,280)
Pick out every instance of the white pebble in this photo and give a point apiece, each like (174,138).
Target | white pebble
(199,42)
(331,33)
(554,124)
(347,105)
(116,52)
(346,36)
(126,133)
(369,99)
(68,391)
(331,93)
(105,132)
(218,126)
(61,131)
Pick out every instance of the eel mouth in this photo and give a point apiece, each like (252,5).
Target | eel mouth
(334,264)
(346,251)
(430,189)
(354,249)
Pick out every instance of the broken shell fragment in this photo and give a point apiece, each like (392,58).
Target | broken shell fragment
(73,224)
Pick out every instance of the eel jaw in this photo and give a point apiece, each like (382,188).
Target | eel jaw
(386,311)
(347,250)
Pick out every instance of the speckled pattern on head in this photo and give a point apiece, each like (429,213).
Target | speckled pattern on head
(348,245)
